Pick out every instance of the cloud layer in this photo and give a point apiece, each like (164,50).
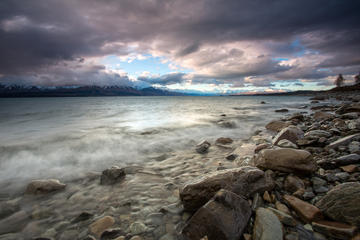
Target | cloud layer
(50,42)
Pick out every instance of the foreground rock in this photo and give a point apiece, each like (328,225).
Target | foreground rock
(112,175)
(44,186)
(290,133)
(334,229)
(243,181)
(267,226)
(224,217)
(286,160)
(305,210)
(342,203)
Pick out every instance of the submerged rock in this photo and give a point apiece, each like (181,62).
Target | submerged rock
(342,203)
(224,140)
(286,160)
(202,147)
(44,186)
(243,181)
(112,175)
(267,226)
(223,217)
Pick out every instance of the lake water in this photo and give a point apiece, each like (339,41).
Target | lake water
(66,137)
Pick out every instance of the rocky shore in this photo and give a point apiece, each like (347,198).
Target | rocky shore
(299,178)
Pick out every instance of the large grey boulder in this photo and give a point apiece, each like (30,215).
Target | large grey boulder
(342,203)
(243,181)
(267,226)
(290,133)
(223,217)
(44,186)
(286,160)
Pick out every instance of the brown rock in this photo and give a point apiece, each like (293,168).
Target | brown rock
(99,226)
(305,210)
(286,160)
(282,207)
(293,183)
(267,197)
(276,125)
(44,186)
(261,147)
(223,217)
(290,133)
(342,203)
(350,168)
(334,229)
(319,116)
(244,181)
(223,140)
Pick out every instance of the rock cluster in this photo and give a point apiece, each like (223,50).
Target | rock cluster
(304,184)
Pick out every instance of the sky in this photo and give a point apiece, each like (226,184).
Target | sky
(202,46)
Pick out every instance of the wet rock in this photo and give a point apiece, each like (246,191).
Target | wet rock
(276,125)
(174,208)
(244,181)
(284,218)
(44,186)
(305,210)
(224,217)
(320,116)
(82,217)
(290,133)
(262,102)
(282,110)
(231,157)
(286,160)
(224,140)
(293,183)
(344,141)
(100,225)
(226,124)
(286,144)
(342,203)
(14,223)
(202,147)
(334,229)
(112,175)
(267,226)
(111,234)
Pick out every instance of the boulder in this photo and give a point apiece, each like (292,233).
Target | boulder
(224,140)
(244,181)
(267,226)
(342,203)
(202,147)
(286,160)
(223,217)
(276,125)
(305,210)
(290,133)
(112,175)
(344,141)
(44,186)
(334,229)
(320,116)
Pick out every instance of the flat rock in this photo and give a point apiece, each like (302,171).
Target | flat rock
(44,186)
(334,229)
(100,225)
(244,181)
(112,175)
(305,210)
(342,203)
(290,133)
(223,217)
(286,160)
(267,226)
(314,134)
(276,125)
(344,141)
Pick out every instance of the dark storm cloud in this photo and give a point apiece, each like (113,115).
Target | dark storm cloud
(40,34)
(171,78)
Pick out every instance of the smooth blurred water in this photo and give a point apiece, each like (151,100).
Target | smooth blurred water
(65,137)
